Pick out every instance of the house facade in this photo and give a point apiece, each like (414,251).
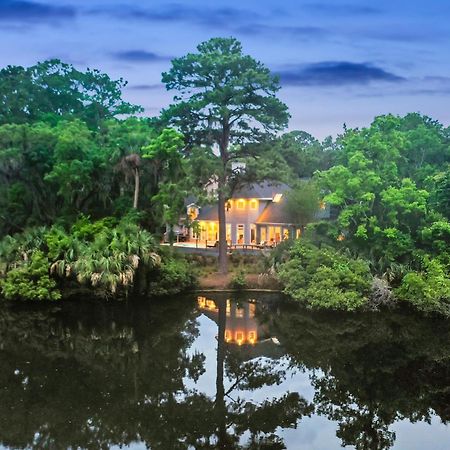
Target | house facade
(255,214)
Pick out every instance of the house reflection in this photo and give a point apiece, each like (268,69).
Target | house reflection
(241,325)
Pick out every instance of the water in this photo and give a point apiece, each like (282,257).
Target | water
(209,372)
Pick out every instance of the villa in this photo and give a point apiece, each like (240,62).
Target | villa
(255,214)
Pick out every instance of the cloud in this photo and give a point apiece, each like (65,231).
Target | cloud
(20,11)
(178,12)
(146,87)
(282,30)
(346,9)
(335,73)
(140,56)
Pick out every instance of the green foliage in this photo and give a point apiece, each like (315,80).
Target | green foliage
(172,276)
(238,280)
(30,281)
(376,186)
(53,89)
(302,202)
(325,278)
(429,289)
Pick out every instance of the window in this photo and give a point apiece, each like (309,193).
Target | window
(298,233)
(240,234)
(277,198)
(227,336)
(252,233)
(253,204)
(240,313)
(252,337)
(239,337)
(263,234)
(322,205)
(229,205)
(240,204)
(229,233)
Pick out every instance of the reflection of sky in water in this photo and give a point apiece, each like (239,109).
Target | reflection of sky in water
(316,432)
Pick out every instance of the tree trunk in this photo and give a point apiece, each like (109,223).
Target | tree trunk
(136,188)
(220,407)
(223,261)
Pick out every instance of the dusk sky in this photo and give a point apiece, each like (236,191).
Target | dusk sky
(338,61)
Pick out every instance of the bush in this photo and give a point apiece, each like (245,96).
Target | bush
(172,276)
(238,280)
(428,290)
(325,278)
(31,281)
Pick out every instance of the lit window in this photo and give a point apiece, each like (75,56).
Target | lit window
(227,336)
(251,310)
(240,312)
(253,204)
(239,337)
(229,204)
(228,308)
(322,205)
(298,233)
(277,198)
(240,204)
(252,337)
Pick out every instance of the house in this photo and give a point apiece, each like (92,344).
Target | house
(255,214)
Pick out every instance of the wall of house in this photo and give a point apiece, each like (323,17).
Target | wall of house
(245,216)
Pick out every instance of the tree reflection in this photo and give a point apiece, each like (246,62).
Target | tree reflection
(94,375)
(371,370)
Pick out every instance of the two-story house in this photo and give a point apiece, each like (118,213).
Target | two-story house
(255,214)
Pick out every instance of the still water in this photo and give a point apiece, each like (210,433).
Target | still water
(210,371)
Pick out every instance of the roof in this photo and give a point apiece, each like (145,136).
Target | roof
(278,213)
(275,213)
(265,189)
(208,212)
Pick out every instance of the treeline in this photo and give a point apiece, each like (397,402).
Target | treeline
(390,186)
(73,152)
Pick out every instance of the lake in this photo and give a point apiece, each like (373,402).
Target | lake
(209,371)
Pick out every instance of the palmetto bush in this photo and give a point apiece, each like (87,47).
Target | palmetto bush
(105,255)
(110,260)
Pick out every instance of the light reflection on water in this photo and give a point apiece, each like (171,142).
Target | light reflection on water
(217,372)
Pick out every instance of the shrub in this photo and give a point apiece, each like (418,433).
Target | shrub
(171,277)
(325,278)
(427,290)
(238,280)
(31,281)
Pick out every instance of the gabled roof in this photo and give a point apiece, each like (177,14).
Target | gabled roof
(275,213)
(208,212)
(278,213)
(263,190)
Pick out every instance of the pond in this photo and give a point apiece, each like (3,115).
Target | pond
(209,371)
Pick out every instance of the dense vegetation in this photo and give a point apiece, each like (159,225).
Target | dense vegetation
(68,163)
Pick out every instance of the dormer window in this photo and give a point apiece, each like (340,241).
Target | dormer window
(240,204)
(253,204)
(277,198)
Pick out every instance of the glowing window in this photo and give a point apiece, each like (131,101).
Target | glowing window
(240,312)
(227,336)
(252,337)
(253,204)
(298,233)
(322,205)
(228,308)
(251,310)
(240,204)
(277,198)
(239,337)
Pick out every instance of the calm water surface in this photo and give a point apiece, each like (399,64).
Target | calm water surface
(210,371)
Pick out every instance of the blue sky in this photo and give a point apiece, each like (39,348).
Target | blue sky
(339,61)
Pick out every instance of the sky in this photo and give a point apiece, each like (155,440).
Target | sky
(339,62)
